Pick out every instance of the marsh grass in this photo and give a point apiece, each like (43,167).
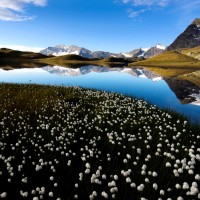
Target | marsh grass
(74,143)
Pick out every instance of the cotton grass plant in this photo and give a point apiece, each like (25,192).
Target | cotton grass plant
(72,143)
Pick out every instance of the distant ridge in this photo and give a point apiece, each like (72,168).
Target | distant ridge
(190,38)
(61,50)
(9,53)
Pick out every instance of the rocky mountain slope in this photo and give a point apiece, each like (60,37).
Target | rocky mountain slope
(189,38)
(154,51)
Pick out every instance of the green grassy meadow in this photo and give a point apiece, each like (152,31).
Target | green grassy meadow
(171,59)
(73,143)
(193,52)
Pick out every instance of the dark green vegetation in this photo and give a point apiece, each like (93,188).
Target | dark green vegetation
(72,143)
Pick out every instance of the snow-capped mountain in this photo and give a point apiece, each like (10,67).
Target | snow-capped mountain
(63,71)
(146,52)
(60,50)
(136,53)
(153,51)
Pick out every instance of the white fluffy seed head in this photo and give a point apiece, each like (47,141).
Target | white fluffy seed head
(3,195)
(50,194)
(162,192)
(154,174)
(155,186)
(168,164)
(104,194)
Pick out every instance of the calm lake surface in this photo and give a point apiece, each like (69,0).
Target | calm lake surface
(140,83)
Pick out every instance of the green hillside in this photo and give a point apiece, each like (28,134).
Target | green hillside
(9,53)
(170,59)
(193,52)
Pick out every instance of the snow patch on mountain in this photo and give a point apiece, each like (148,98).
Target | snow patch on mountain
(157,79)
(127,55)
(145,49)
(160,46)
(197,99)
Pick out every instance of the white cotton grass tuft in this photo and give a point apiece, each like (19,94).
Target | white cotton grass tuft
(155,186)
(168,164)
(3,195)
(104,194)
(197,177)
(140,188)
(50,194)
(154,174)
(162,192)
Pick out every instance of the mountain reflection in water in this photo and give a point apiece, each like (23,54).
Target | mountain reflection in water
(171,93)
(185,91)
(62,71)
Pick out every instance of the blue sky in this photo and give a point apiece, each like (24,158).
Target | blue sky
(109,25)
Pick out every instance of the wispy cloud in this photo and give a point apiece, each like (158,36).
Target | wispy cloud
(189,6)
(14,10)
(132,13)
(146,2)
(137,7)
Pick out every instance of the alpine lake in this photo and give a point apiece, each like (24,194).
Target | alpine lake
(172,94)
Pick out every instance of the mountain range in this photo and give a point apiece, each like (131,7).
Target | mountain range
(61,50)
